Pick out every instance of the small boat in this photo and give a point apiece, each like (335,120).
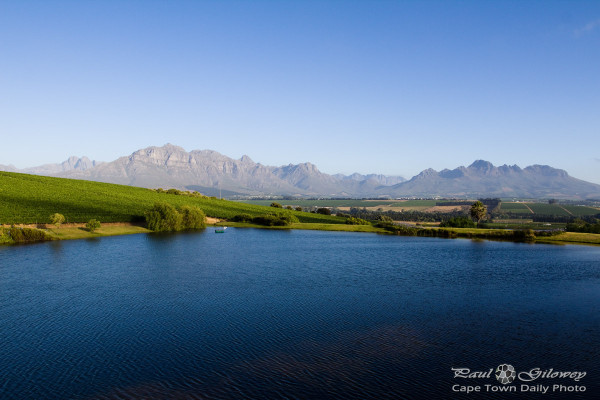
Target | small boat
(220,229)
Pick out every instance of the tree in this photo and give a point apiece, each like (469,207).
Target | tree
(478,211)
(163,217)
(324,211)
(276,205)
(298,208)
(192,217)
(57,219)
(92,225)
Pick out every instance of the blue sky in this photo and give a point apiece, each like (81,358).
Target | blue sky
(389,87)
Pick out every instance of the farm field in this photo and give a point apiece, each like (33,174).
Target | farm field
(324,203)
(518,208)
(345,205)
(548,209)
(28,199)
(432,205)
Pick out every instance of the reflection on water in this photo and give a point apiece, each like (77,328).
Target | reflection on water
(266,314)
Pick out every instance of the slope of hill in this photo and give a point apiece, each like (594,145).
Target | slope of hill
(32,199)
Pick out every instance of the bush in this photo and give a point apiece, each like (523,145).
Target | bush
(298,208)
(92,225)
(384,218)
(281,219)
(276,205)
(356,221)
(524,235)
(458,222)
(57,219)
(324,211)
(24,235)
(163,217)
(192,217)
(242,218)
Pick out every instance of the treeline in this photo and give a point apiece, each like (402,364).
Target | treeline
(580,225)
(178,192)
(517,235)
(417,216)
(271,219)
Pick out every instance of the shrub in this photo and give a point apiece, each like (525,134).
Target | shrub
(24,235)
(324,211)
(524,235)
(192,217)
(298,208)
(458,222)
(242,218)
(92,225)
(163,217)
(384,218)
(57,219)
(281,219)
(356,221)
(276,205)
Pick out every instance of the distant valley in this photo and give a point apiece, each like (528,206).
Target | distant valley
(211,173)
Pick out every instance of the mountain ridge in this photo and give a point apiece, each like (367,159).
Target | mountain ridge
(211,172)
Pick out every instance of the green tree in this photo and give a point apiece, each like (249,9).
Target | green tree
(92,225)
(298,208)
(324,211)
(192,217)
(163,217)
(478,211)
(276,205)
(57,219)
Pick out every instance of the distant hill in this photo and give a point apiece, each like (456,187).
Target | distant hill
(211,173)
(483,179)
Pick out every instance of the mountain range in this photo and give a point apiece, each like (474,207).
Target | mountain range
(211,173)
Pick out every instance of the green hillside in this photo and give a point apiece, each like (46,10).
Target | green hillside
(32,199)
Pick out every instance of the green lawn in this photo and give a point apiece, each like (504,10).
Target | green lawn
(32,199)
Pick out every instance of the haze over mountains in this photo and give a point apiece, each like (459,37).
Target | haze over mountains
(210,172)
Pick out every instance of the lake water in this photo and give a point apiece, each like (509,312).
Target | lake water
(266,314)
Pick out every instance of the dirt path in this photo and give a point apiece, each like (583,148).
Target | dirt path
(530,210)
(570,213)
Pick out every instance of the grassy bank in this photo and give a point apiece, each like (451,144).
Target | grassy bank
(78,232)
(81,233)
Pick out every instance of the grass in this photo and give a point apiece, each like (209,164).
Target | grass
(572,237)
(80,233)
(27,199)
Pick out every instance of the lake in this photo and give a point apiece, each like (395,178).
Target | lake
(269,314)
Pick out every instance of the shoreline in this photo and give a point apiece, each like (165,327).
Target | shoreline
(74,231)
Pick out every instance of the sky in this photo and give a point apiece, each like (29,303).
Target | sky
(391,87)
